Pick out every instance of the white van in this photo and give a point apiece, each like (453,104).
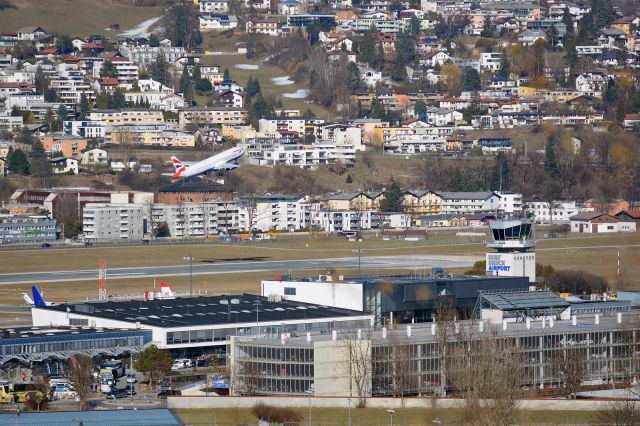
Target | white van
(181,363)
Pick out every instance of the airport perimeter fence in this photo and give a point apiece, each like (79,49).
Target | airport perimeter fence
(293,241)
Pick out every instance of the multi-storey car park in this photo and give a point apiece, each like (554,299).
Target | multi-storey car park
(609,347)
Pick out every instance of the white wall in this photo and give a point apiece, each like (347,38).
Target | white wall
(335,293)
(512,265)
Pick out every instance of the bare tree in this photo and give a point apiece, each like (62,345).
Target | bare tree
(247,377)
(80,374)
(488,374)
(619,413)
(569,366)
(358,364)
(401,365)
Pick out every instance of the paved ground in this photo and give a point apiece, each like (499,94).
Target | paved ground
(370,263)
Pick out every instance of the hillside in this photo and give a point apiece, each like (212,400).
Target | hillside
(75,17)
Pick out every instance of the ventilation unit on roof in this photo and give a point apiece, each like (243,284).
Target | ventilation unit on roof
(275,298)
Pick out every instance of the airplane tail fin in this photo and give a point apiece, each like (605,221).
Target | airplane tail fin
(38,300)
(177,164)
(165,290)
(27,299)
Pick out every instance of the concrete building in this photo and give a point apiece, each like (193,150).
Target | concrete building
(107,222)
(125,116)
(469,202)
(274,212)
(210,116)
(22,228)
(557,211)
(296,365)
(192,220)
(193,191)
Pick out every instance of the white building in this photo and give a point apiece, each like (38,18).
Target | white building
(469,202)
(331,221)
(555,212)
(600,223)
(325,291)
(490,61)
(144,55)
(189,220)
(105,222)
(370,76)
(509,202)
(341,134)
(220,22)
(84,129)
(214,6)
(274,212)
(272,152)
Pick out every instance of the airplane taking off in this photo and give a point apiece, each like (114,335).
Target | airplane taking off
(226,160)
(37,301)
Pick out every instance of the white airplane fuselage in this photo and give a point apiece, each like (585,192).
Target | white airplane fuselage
(226,160)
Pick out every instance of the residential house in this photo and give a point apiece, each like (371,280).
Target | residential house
(94,157)
(370,76)
(598,223)
(214,6)
(217,22)
(61,165)
(263,26)
(65,146)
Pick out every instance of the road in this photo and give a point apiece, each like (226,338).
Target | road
(251,265)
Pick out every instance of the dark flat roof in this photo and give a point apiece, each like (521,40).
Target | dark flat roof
(204,310)
(49,331)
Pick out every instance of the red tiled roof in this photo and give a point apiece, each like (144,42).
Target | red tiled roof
(632,117)
(108,81)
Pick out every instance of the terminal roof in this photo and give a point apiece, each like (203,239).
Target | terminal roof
(205,310)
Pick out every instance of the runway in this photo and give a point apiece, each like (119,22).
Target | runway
(280,266)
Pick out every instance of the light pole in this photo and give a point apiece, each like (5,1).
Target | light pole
(190,259)
(309,393)
(391,411)
(349,402)
(257,304)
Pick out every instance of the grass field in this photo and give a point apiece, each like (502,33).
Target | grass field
(378,417)
(75,17)
(264,74)
(597,254)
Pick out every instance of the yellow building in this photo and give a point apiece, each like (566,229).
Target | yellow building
(422,202)
(353,200)
(527,91)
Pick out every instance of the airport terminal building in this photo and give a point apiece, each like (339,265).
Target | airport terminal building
(394,299)
(202,324)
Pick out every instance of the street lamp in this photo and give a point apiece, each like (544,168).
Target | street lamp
(349,402)
(257,304)
(309,393)
(190,259)
(391,411)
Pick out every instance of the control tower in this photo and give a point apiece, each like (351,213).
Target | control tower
(514,256)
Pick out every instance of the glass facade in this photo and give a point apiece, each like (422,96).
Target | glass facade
(95,341)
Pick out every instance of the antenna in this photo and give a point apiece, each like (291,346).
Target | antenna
(102,279)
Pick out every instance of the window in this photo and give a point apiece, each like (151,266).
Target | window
(289,291)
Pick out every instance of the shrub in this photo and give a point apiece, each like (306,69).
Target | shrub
(577,282)
(271,414)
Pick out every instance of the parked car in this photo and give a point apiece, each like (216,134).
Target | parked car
(64,391)
(163,394)
(115,393)
(130,389)
(132,378)
(46,245)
